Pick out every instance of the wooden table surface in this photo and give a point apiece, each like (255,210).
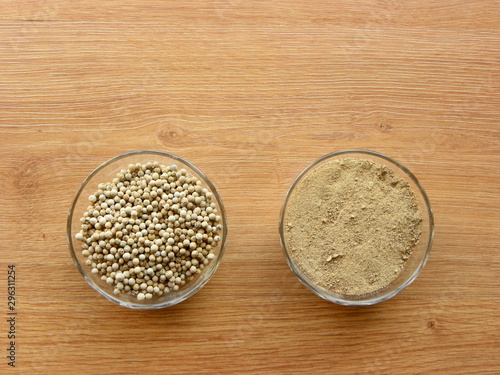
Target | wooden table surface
(251,93)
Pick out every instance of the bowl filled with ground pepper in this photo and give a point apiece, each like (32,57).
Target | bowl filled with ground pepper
(147,229)
(356,227)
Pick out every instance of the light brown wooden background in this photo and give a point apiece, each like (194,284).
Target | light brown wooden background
(252,92)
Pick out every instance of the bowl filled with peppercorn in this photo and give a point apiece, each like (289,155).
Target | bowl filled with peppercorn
(147,229)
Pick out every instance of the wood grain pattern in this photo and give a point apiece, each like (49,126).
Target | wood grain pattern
(251,93)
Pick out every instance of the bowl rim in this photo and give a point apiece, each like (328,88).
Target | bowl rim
(369,301)
(181,297)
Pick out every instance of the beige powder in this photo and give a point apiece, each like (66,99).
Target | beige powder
(351,224)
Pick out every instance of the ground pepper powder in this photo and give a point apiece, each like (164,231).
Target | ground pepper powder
(351,224)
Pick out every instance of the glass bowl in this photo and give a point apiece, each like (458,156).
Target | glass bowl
(414,263)
(105,173)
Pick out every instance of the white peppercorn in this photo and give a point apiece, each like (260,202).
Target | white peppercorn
(151,229)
